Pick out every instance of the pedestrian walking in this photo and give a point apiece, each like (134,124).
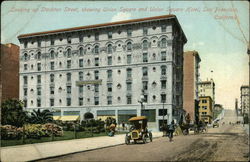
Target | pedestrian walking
(123,125)
(171,130)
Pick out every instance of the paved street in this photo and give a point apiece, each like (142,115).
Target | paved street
(226,143)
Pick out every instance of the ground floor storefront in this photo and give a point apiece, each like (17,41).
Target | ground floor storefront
(156,114)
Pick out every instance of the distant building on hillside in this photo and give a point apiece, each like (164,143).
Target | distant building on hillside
(9,72)
(207,88)
(205,109)
(244,99)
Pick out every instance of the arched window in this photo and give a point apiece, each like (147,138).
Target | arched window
(129,46)
(88,116)
(52,54)
(39,56)
(145,44)
(109,48)
(96,51)
(25,56)
(163,42)
(81,51)
(69,52)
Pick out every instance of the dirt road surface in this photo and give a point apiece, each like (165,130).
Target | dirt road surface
(226,143)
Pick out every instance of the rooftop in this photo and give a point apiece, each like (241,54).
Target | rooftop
(9,44)
(205,97)
(98,26)
(244,86)
(207,82)
(194,53)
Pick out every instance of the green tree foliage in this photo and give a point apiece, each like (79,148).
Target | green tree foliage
(12,113)
(41,117)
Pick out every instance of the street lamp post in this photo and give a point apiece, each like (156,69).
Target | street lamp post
(141,101)
(23,135)
(52,136)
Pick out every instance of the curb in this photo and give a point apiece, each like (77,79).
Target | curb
(83,151)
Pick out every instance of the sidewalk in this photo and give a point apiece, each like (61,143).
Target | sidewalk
(51,149)
(246,128)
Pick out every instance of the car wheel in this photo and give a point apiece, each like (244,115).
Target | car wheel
(150,136)
(144,140)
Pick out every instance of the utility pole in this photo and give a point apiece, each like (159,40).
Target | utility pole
(141,102)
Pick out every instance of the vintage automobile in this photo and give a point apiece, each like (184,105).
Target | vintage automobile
(138,131)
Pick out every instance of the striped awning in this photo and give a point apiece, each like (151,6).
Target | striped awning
(70,118)
(56,117)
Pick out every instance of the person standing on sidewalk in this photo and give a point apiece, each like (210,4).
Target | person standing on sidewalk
(171,131)
(123,125)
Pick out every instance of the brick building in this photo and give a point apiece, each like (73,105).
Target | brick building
(190,82)
(9,72)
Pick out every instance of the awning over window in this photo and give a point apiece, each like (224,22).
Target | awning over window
(70,118)
(56,117)
(127,112)
(105,112)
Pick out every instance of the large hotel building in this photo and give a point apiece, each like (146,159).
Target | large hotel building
(106,70)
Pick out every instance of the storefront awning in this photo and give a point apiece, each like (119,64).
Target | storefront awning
(56,117)
(70,118)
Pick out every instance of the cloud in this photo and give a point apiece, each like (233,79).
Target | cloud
(188,26)
(194,45)
(121,16)
(197,44)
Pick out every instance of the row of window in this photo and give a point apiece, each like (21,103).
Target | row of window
(96,100)
(96,75)
(145,45)
(96,35)
(96,61)
(203,113)
(204,101)
(204,107)
(96,88)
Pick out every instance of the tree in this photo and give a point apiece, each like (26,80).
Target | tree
(41,117)
(12,113)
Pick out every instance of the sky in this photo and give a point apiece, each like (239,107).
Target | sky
(218,30)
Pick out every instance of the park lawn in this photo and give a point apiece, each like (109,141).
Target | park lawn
(68,135)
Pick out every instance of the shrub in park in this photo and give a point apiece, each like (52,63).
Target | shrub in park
(34,131)
(10,132)
(31,131)
(48,128)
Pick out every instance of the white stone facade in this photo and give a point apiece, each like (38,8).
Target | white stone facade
(162,34)
(207,88)
(244,97)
